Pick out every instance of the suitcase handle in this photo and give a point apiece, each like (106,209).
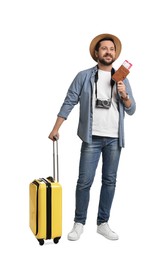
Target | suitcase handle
(54,159)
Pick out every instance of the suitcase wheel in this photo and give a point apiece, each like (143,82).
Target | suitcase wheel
(41,241)
(56,240)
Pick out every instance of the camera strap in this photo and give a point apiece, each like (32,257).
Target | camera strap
(112,82)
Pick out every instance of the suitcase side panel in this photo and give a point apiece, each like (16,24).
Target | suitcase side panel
(33,201)
(56,210)
(42,212)
(37,211)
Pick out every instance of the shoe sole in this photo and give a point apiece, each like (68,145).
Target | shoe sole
(71,239)
(107,236)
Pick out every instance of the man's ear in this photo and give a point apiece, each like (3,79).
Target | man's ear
(96,54)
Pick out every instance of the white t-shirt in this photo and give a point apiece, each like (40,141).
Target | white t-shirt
(105,121)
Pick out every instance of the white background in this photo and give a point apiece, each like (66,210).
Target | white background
(43,45)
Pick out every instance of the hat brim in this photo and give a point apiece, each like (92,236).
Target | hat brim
(99,37)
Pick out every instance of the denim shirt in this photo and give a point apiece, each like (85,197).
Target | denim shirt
(80,91)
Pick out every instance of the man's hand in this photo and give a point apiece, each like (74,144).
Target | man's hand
(121,89)
(54,135)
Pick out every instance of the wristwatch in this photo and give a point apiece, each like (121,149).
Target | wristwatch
(126,98)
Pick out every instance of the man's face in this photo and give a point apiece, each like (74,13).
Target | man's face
(106,53)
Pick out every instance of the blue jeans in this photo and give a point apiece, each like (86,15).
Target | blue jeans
(90,155)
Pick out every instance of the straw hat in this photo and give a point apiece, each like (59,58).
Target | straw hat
(99,37)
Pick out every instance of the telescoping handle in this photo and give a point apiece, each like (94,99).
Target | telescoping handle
(54,159)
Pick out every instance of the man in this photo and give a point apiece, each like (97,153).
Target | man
(103,104)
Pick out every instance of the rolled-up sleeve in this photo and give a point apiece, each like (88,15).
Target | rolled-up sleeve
(72,97)
(130,110)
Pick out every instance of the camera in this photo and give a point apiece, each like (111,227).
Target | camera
(103,103)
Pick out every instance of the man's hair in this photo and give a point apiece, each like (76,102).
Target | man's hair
(104,39)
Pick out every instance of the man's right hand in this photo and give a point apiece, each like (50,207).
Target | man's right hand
(53,135)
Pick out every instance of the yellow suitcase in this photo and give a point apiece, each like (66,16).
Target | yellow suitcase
(45,206)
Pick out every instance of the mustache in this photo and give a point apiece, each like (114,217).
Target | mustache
(108,55)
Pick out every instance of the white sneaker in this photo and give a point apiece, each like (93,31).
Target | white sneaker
(76,232)
(105,230)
